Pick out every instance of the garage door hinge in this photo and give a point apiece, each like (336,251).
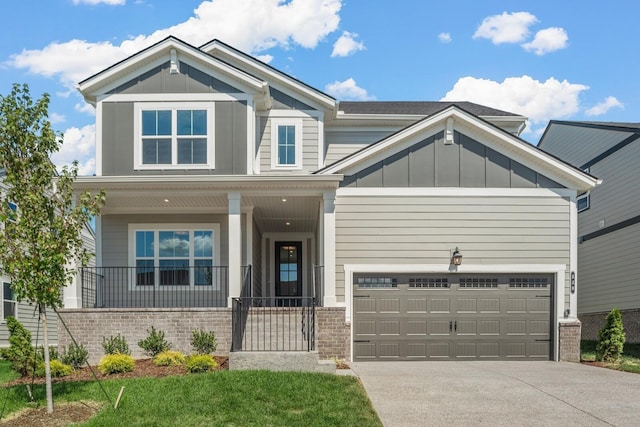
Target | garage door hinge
(361,341)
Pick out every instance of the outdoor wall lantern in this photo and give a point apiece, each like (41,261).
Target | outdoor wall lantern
(456,257)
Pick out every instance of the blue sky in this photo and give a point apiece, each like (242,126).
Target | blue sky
(546,60)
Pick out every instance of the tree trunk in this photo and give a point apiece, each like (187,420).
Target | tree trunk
(47,361)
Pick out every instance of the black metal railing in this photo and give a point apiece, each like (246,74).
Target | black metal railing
(247,285)
(318,284)
(273,324)
(154,287)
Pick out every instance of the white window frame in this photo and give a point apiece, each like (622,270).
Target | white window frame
(15,303)
(286,121)
(138,107)
(156,228)
(586,195)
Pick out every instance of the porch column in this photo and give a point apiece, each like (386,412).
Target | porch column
(72,292)
(329,248)
(235,247)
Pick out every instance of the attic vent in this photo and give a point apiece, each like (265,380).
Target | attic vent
(448,134)
(173,65)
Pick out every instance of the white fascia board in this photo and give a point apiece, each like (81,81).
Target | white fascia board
(325,101)
(119,73)
(457,192)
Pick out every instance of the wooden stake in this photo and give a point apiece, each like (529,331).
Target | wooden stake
(118,399)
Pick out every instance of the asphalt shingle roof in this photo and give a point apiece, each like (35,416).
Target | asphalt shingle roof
(422,108)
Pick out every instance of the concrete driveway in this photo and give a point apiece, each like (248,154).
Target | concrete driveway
(500,394)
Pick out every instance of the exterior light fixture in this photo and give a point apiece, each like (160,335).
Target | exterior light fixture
(284,200)
(456,257)
(287,223)
(166,200)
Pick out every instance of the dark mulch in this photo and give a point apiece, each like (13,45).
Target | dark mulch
(76,412)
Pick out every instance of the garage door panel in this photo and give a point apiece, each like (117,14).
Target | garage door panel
(453,318)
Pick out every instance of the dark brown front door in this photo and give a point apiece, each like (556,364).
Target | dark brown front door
(288,269)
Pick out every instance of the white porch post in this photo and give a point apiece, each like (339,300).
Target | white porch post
(235,247)
(72,293)
(329,250)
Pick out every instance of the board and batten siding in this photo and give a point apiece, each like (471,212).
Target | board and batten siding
(256,264)
(309,146)
(115,233)
(490,230)
(608,271)
(341,143)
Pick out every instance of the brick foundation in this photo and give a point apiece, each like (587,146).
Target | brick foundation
(593,322)
(89,326)
(569,334)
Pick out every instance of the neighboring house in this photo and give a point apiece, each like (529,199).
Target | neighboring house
(608,218)
(226,178)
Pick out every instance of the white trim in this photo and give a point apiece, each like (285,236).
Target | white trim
(573,257)
(303,238)
(249,229)
(99,138)
(329,245)
(558,270)
(290,113)
(174,97)
(586,195)
(251,131)
(235,245)
(298,124)
(452,192)
(320,141)
(139,107)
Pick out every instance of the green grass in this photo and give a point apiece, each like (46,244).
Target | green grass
(630,361)
(230,398)
(6,373)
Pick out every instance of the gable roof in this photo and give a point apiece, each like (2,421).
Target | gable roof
(421,108)
(160,53)
(451,117)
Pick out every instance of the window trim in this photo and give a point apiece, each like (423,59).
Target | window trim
(584,196)
(138,107)
(3,317)
(286,121)
(156,228)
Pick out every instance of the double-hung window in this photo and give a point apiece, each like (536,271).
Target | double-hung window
(286,143)
(8,301)
(174,255)
(174,135)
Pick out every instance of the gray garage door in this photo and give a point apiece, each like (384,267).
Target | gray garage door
(452,316)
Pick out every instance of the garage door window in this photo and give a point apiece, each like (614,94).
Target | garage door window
(429,282)
(479,283)
(377,282)
(528,282)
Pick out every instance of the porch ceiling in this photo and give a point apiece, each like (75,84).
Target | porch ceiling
(285,214)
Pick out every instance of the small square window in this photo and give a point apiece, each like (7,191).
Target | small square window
(583,202)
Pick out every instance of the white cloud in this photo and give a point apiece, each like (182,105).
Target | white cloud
(347,45)
(506,28)
(547,40)
(85,108)
(604,106)
(272,23)
(55,118)
(348,90)
(444,37)
(539,101)
(94,2)
(265,58)
(79,144)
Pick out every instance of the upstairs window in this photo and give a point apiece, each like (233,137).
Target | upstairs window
(174,135)
(286,143)
(583,202)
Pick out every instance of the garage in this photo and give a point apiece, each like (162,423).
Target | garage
(452,316)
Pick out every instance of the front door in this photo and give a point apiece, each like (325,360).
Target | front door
(288,269)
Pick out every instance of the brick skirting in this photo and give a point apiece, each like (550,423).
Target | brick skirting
(593,322)
(89,326)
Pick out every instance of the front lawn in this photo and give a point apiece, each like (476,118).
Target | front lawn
(233,398)
(630,361)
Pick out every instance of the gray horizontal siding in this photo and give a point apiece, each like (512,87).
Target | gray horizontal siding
(309,145)
(608,271)
(340,143)
(423,230)
(25,315)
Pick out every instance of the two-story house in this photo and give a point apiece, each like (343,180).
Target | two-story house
(608,219)
(417,230)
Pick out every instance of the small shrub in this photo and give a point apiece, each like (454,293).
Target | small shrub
(116,363)
(20,353)
(74,355)
(58,369)
(169,358)
(203,342)
(155,343)
(201,363)
(115,345)
(611,338)
(53,353)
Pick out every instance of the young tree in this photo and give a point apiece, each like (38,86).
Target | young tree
(42,218)
(611,338)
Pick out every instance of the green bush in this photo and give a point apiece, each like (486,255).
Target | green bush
(611,338)
(20,352)
(53,353)
(115,345)
(203,342)
(58,369)
(74,355)
(201,363)
(155,343)
(169,358)
(116,363)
